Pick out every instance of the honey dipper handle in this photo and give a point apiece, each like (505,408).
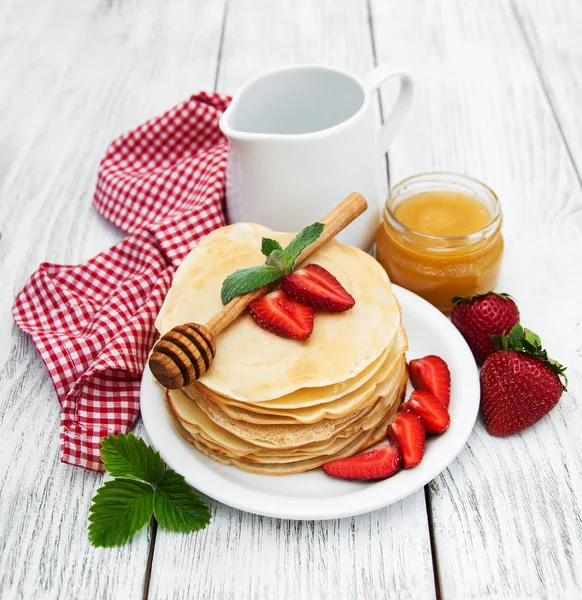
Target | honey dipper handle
(339,218)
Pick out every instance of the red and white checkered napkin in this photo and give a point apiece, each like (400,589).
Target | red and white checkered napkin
(93,323)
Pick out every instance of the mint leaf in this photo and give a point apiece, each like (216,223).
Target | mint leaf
(120,509)
(279,262)
(268,246)
(129,456)
(177,507)
(301,240)
(276,259)
(247,280)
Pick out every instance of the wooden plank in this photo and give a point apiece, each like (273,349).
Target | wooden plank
(507,512)
(72,77)
(552,31)
(383,554)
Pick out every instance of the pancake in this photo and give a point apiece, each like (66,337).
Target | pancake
(208,417)
(281,437)
(361,443)
(298,457)
(354,401)
(314,411)
(380,369)
(228,445)
(254,365)
(304,396)
(222,441)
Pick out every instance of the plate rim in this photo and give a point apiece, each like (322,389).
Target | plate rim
(362,501)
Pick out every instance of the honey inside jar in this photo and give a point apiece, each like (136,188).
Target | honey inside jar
(441,237)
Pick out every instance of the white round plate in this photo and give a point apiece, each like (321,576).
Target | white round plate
(314,495)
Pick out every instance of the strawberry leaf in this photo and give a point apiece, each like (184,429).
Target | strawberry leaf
(268,246)
(247,280)
(532,338)
(120,509)
(515,337)
(123,506)
(501,341)
(129,456)
(526,341)
(177,507)
(300,241)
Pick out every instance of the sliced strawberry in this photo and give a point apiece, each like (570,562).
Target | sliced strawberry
(379,463)
(431,374)
(407,432)
(316,287)
(283,316)
(432,412)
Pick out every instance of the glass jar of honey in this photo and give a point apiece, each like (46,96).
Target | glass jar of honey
(441,237)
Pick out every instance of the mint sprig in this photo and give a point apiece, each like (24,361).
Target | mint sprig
(268,245)
(526,341)
(280,261)
(247,280)
(143,487)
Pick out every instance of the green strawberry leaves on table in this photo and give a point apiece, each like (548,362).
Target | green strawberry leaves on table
(280,261)
(130,457)
(143,487)
(524,340)
(177,507)
(120,509)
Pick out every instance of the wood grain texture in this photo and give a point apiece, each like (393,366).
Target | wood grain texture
(246,556)
(72,77)
(507,512)
(239,556)
(552,31)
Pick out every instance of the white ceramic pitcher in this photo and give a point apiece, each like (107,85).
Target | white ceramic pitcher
(301,139)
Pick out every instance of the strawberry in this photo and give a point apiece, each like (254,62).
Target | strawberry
(519,384)
(407,432)
(278,313)
(431,374)
(482,316)
(432,412)
(316,287)
(380,463)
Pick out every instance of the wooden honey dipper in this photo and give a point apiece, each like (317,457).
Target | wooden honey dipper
(186,352)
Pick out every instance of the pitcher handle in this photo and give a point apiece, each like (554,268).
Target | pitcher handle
(392,121)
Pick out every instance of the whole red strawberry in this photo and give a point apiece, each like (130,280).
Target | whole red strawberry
(519,384)
(481,316)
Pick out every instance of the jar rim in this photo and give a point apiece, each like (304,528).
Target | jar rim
(455,179)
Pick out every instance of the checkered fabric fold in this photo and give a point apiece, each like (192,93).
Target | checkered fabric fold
(93,324)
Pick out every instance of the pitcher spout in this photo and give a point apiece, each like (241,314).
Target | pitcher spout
(226,123)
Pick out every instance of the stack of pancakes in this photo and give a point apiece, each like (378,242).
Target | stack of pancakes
(274,405)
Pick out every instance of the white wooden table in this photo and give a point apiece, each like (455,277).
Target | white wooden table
(499,88)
